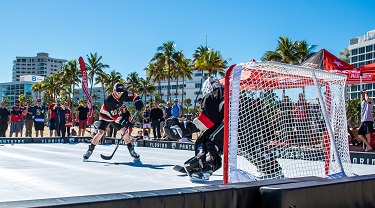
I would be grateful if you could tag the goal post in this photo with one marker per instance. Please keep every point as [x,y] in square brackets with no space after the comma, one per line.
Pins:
[283,121]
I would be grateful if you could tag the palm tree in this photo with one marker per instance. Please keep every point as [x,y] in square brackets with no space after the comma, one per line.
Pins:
[199,64]
[132,82]
[51,87]
[102,78]
[185,71]
[145,87]
[6,101]
[303,50]
[94,67]
[179,58]
[285,52]
[71,79]
[215,63]
[22,99]
[37,88]
[209,61]
[289,52]
[164,60]
[155,75]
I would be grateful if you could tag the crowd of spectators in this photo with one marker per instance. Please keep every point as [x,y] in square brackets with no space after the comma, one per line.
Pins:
[57,117]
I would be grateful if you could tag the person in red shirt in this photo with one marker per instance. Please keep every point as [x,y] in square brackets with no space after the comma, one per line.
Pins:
[68,118]
[16,118]
[51,121]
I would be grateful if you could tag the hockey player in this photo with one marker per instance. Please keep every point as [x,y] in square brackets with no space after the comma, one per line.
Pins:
[110,113]
[208,147]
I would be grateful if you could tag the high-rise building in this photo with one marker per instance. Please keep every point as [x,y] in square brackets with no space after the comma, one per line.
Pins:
[190,88]
[362,52]
[40,65]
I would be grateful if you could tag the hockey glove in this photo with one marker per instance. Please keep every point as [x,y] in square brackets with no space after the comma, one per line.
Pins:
[125,122]
[138,103]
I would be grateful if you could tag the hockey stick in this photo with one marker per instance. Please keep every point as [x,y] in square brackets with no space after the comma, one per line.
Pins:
[104,157]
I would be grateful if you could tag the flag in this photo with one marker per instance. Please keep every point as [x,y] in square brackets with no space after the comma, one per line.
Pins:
[85,88]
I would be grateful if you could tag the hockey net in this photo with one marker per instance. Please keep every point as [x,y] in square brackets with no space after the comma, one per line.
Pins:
[284,121]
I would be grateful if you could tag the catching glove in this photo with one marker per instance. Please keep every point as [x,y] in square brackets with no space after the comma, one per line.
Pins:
[138,103]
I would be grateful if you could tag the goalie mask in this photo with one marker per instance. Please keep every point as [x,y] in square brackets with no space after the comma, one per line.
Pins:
[210,84]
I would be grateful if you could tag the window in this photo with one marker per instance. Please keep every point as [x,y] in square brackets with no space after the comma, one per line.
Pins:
[362,57]
[369,48]
[354,59]
[198,74]
[368,56]
[197,93]
[362,50]
[197,85]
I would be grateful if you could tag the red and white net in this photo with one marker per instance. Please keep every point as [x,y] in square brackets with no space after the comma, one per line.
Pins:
[284,121]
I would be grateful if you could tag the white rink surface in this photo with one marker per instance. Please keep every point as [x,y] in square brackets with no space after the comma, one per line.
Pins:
[40,171]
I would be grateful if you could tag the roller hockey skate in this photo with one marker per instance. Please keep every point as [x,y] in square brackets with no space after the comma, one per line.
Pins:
[135,155]
[88,153]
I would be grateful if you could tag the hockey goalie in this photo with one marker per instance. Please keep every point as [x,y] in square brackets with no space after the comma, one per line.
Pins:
[209,145]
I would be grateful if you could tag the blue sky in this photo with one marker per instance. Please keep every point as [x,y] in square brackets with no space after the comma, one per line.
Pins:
[127,33]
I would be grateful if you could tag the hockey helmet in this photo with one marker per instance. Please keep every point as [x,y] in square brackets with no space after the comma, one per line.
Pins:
[210,84]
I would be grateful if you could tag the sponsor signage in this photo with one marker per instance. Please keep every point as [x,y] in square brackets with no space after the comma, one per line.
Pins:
[15,141]
[169,145]
[363,158]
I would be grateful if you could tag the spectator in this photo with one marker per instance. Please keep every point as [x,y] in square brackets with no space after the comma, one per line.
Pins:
[176,109]
[162,119]
[51,120]
[82,115]
[4,119]
[367,120]
[168,110]
[146,119]
[38,116]
[16,118]
[139,136]
[301,115]
[68,118]
[60,122]
[28,112]
[286,120]
[156,115]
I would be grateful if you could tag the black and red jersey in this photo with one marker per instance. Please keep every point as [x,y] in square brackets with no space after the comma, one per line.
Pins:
[111,108]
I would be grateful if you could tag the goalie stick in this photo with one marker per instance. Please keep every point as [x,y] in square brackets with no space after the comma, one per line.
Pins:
[104,157]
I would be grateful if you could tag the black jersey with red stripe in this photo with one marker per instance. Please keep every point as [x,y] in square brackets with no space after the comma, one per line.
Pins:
[111,108]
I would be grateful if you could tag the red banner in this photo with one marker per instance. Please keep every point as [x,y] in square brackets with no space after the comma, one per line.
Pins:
[85,88]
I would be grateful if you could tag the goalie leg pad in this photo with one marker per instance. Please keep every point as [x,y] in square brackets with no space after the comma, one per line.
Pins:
[194,163]
[213,158]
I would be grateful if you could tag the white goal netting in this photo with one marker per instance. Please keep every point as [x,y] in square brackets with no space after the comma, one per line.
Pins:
[284,121]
